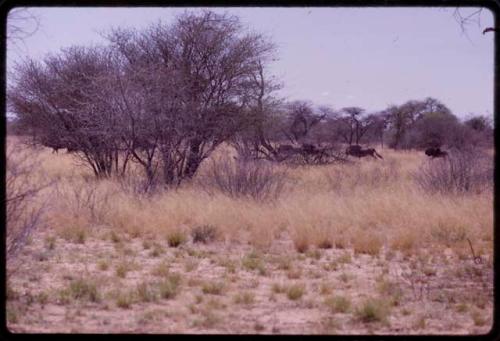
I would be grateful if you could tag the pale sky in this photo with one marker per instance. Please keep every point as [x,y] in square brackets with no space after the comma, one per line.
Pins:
[366,57]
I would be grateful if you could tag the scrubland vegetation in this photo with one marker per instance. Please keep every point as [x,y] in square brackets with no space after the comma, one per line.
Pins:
[158,185]
[316,256]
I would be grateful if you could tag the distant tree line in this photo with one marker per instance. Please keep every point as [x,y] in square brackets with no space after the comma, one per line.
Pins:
[167,96]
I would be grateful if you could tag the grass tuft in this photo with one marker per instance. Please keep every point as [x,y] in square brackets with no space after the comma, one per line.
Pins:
[245,298]
[338,304]
[373,310]
[176,238]
[213,288]
[204,234]
[169,287]
[295,291]
[84,289]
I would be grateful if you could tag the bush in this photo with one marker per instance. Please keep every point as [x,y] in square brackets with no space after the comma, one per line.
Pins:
[213,288]
[256,179]
[124,300]
[169,287]
[373,310]
[139,185]
[88,199]
[253,261]
[244,298]
[176,238]
[204,234]
[367,243]
[84,290]
[146,292]
[351,176]
[338,304]
[295,291]
[24,209]
[463,171]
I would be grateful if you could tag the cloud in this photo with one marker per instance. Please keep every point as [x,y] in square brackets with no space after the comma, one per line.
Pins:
[325,93]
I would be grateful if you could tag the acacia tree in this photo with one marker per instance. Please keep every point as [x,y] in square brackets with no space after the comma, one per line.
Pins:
[351,124]
[167,95]
[141,87]
[377,127]
[434,129]
[61,101]
[401,119]
[204,68]
[264,118]
[301,119]
[480,129]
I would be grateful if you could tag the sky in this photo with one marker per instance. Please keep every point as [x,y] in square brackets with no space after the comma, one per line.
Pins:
[365,57]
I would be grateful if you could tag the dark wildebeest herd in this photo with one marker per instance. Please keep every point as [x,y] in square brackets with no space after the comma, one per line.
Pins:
[305,149]
[435,152]
[58,143]
[358,151]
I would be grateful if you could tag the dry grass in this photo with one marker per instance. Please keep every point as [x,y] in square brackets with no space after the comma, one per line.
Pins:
[338,304]
[295,291]
[364,210]
[213,287]
[245,298]
[370,204]
[337,205]
[373,310]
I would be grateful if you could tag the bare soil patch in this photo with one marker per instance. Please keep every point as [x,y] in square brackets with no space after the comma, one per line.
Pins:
[226,287]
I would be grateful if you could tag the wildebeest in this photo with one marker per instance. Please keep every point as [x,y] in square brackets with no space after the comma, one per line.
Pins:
[56,143]
[71,148]
[287,149]
[435,152]
[52,142]
[358,151]
[316,154]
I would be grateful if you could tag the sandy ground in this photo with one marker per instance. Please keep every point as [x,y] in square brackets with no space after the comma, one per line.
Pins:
[434,292]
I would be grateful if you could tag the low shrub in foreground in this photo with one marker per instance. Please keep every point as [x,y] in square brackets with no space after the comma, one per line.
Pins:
[256,179]
[462,171]
[373,310]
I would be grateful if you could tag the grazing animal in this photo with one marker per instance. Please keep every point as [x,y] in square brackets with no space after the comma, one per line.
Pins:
[315,153]
[71,149]
[53,143]
[311,149]
[435,152]
[358,151]
[285,151]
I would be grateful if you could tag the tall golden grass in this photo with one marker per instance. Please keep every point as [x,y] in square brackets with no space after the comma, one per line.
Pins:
[368,205]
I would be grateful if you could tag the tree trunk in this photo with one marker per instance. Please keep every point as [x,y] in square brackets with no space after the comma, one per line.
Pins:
[194,159]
